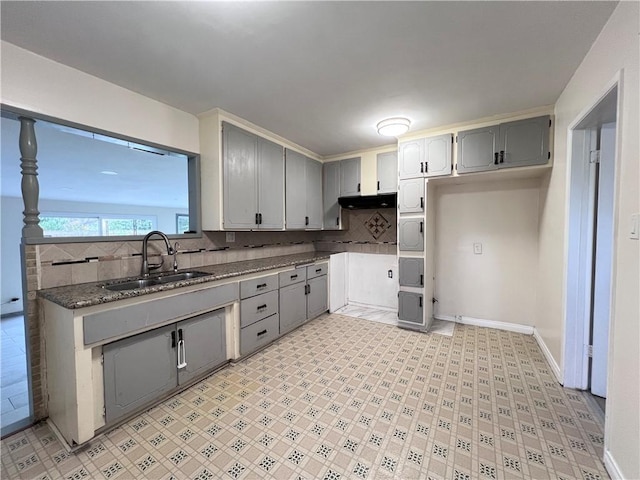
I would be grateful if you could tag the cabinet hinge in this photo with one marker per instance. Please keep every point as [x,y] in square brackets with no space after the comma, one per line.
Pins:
[456,139]
[104,411]
[594,156]
[102,359]
[589,350]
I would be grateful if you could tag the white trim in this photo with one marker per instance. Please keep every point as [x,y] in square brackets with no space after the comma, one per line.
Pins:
[555,368]
[612,466]
[480,322]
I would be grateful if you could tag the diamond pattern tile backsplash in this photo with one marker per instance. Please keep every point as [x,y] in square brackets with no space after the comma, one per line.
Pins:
[376,224]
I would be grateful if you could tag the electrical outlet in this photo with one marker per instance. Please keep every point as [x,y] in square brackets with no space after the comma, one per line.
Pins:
[477,248]
[230,237]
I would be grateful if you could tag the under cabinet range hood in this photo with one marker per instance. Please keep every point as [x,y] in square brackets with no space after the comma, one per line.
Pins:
[385,200]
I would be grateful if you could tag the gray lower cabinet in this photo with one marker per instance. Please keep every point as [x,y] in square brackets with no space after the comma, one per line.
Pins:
[138,370]
[330,194]
[317,296]
[259,334]
[293,306]
[203,346]
[512,144]
[411,234]
[411,196]
[350,177]
[411,272]
[144,367]
[387,172]
[410,307]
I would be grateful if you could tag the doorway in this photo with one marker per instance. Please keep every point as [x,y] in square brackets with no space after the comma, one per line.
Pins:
[591,246]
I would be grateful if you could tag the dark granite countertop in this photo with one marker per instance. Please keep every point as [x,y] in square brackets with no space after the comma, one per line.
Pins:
[88,294]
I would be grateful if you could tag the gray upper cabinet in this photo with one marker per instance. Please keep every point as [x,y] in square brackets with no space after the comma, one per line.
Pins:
[512,144]
[314,194]
[411,234]
[425,157]
[270,185]
[330,194]
[411,196]
[253,181]
[411,272]
[303,191]
[295,184]
[240,188]
[387,168]
[350,177]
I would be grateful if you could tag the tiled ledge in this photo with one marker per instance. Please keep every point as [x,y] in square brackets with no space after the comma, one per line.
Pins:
[385,248]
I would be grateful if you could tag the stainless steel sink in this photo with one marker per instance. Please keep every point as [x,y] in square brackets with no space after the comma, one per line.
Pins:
[151,281]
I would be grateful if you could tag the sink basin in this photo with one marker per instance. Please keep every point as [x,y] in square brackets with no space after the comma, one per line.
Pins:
[151,281]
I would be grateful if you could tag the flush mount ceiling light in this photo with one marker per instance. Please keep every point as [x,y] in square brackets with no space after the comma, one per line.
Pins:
[392,127]
[108,172]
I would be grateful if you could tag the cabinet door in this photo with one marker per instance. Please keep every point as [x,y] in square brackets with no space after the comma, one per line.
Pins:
[314,193]
[204,345]
[239,172]
[437,155]
[411,272]
[293,306]
[295,184]
[477,149]
[138,370]
[350,177]
[387,164]
[270,185]
[410,307]
[411,195]
[411,234]
[411,159]
[330,194]
[317,296]
[524,142]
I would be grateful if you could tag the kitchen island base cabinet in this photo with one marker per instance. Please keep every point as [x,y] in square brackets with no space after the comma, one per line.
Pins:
[144,367]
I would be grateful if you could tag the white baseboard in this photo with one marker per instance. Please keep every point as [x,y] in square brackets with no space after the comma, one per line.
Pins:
[612,466]
[555,368]
[480,322]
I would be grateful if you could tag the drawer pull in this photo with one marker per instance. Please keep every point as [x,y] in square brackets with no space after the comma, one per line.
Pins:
[318,270]
[262,307]
[293,277]
[262,333]
[262,285]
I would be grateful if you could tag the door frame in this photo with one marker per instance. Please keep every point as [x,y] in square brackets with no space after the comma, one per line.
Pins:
[579,242]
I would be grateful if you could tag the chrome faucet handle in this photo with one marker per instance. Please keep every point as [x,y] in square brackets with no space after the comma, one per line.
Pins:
[176,246]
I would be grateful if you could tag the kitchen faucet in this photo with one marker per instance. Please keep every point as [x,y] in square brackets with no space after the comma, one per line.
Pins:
[145,262]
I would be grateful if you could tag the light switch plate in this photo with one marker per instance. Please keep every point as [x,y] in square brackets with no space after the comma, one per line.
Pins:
[477,248]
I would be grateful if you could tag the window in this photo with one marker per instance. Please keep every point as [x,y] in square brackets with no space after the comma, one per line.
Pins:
[182,223]
[70,225]
[95,185]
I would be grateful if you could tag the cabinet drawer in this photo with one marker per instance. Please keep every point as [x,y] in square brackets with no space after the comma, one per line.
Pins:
[258,307]
[314,271]
[259,334]
[293,276]
[256,286]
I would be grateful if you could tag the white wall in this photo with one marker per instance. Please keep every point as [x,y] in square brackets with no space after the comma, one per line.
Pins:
[10,269]
[615,50]
[368,282]
[500,283]
[40,85]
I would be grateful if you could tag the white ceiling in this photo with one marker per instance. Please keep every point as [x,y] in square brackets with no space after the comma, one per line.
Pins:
[321,74]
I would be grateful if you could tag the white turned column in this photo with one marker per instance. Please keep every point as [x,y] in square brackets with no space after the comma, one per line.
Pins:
[30,187]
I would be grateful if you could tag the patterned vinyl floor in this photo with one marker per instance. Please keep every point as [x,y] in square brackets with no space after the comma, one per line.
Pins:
[341,398]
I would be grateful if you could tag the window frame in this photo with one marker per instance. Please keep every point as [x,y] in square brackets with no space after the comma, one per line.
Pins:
[193,173]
